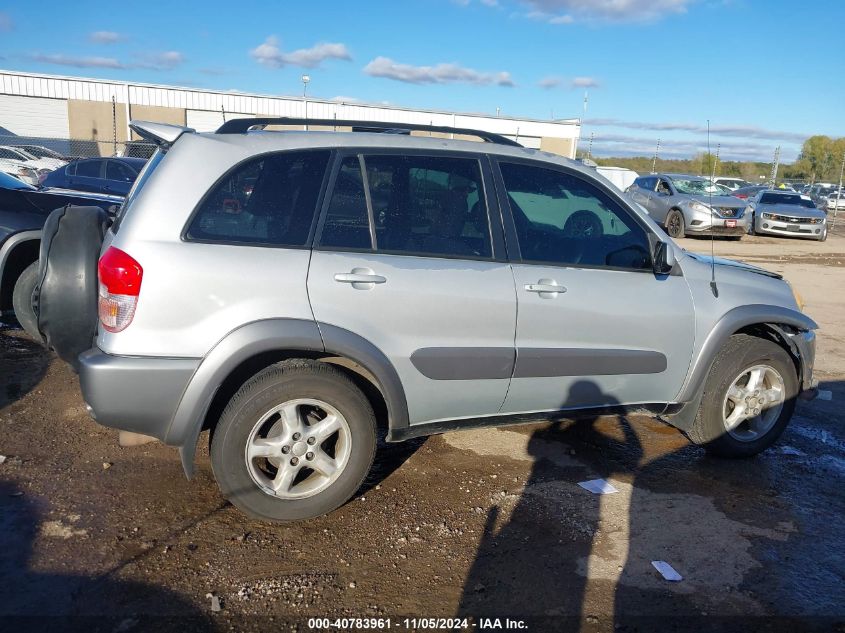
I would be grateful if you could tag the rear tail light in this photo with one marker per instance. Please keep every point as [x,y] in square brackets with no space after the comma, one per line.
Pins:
[120,283]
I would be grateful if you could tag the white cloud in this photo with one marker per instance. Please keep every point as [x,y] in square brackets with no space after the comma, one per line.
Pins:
[269,54]
[439,74]
[568,11]
[168,60]
[6,22]
[742,131]
[552,81]
[154,61]
[584,82]
[105,37]
[78,62]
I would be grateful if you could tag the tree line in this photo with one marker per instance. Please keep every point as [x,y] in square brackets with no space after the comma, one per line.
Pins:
[820,160]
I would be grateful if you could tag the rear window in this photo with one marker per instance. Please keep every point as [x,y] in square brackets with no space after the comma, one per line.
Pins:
[269,200]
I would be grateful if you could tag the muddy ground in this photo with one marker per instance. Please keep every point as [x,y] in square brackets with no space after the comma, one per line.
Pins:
[468,524]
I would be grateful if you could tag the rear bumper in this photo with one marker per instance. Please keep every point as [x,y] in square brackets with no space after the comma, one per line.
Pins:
[132,393]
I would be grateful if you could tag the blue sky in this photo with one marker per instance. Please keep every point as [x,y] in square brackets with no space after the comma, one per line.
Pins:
[764,72]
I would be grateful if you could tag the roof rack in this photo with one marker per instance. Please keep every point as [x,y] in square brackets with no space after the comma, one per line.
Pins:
[239,126]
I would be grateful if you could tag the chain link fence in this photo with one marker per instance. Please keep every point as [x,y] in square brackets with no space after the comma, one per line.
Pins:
[68,149]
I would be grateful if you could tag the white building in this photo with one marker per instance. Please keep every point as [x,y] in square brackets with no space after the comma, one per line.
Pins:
[51,106]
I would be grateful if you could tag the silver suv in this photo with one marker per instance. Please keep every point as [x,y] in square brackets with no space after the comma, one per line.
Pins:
[690,205]
[298,292]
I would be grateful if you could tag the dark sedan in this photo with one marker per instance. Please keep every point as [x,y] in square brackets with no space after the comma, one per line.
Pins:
[113,176]
[23,211]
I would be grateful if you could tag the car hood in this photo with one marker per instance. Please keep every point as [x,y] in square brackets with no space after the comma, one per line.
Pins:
[791,210]
[719,201]
[732,263]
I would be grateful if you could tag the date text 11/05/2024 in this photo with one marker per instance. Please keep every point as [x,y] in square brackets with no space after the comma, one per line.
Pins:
[416,624]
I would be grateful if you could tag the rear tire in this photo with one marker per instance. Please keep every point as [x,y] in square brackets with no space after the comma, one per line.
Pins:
[270,451]
[22,301]
[675,224]
[729,392]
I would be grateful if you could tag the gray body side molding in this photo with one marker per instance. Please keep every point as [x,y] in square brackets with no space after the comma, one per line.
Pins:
[267,336]
[732,321]
[11,242]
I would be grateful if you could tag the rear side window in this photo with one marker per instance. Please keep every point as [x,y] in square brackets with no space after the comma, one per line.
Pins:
[88,168]
[268,200]
[418,205]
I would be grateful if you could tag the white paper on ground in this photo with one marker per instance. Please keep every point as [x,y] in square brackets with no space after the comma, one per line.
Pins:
[666,570]
[825,395]
[598,487]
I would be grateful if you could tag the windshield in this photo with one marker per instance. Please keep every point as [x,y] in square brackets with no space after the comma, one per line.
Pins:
[10,182]
[785,198]
[39,152]
[698,187]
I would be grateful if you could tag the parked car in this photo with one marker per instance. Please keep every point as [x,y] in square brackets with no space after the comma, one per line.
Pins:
[744,193]
[835,201]
[45,164]
[23,211]
[786,213]
[293,291]
[11,163]
[689,204]
[99,175]
[731,183]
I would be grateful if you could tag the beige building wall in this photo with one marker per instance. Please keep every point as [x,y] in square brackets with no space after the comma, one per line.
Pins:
[97,121]
[562,146]
[159,114]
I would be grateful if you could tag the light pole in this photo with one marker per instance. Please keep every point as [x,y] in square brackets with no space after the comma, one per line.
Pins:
[305,80]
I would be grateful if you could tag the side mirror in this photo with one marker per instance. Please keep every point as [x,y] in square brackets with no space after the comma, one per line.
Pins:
[663,258]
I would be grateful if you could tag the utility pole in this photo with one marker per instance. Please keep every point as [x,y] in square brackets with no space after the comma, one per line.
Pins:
[586,98]
[590,146]
[838,192]
[223,113]
[715,161]
[775,165]
[654,160]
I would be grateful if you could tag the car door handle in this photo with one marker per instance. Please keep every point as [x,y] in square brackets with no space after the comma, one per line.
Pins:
[360,278]
[546,287]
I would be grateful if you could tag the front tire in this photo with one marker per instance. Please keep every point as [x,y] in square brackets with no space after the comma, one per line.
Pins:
[748,400]
[675,225]
[22,301]
[295,442]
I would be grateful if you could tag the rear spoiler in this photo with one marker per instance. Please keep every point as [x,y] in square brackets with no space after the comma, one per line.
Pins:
[162,134]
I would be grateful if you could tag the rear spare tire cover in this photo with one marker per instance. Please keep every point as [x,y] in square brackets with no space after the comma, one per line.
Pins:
[65,299]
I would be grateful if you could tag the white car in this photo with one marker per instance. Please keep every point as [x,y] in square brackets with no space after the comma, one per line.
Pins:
[24,156]
[731,183]
[44,153]
[835,201]
[21,171]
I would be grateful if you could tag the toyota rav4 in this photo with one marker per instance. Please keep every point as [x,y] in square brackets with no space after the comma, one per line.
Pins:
[298,292]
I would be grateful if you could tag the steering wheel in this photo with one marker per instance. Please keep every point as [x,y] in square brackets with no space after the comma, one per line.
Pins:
[583,224]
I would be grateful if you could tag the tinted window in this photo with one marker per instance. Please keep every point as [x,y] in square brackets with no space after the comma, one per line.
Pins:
[7,153]
[785,198]
[88,168]
[428,205]
[346,224]
[268,200]
[563,219]
[420,205]
[115,170]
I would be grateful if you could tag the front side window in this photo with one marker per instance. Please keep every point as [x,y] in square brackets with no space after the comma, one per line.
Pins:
[115,170]
[562,219]
[268,200]
[420,205]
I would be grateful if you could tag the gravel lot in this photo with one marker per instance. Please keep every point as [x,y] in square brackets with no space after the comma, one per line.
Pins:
[469,524]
